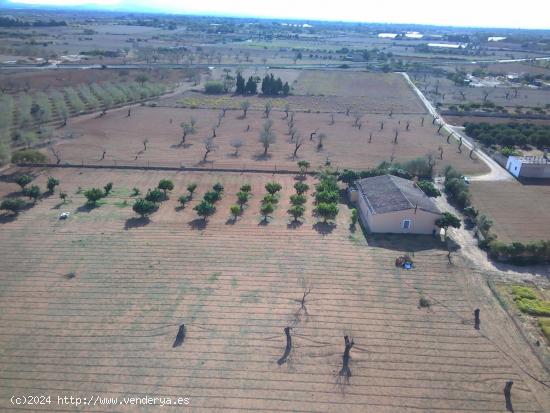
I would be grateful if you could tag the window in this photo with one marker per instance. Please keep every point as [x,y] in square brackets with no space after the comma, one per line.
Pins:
[407,224]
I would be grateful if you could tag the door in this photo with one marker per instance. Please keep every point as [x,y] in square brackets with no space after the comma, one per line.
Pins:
[406,225]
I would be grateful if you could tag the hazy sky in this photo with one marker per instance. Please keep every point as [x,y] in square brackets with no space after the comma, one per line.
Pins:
[483,13]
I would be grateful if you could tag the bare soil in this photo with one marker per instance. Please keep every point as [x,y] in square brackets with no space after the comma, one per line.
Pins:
[109,329]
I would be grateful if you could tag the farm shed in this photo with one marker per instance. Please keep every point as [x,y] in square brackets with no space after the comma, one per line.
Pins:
[389,204]
[529,166]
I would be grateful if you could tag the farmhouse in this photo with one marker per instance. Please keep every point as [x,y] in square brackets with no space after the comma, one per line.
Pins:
[389,204]
[529,166]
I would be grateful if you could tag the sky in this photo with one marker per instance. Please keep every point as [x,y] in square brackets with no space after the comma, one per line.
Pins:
[532,14]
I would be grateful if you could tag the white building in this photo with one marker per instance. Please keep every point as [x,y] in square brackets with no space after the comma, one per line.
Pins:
[529,166]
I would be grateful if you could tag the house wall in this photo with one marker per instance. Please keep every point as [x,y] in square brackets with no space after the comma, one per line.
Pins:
[422,222]
[514,166]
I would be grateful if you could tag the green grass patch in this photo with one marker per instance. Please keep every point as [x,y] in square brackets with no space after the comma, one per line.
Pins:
[214,276]
[122,204]
[528,301]
[544,324]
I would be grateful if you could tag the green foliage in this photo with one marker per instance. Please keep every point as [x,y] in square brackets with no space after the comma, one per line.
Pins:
[5,152]
[266,209]
[212,197]
[191,188]
[13,205]
[214,86]
[348,176]
[272,86]
[63,196]
[218,188]
[429,188]
[510,134]
[528,301]
[165,185]
[205,209]
[354,216]
[28,156]
[246,188]
[52,183]
[143,207]
[270,199]
[155,195]
[23,180]
[470,212]
[327,197]
[518,253]
[456,188]
[448,220]
[235,211]
[93,195]
[108,188]
[544,324]
[242,198]
[33,192]
[184,199]
[273,187]
[135,191]
[506,151]
[296,211]
[303,165]
[298,199]
[326,210]
[301,187]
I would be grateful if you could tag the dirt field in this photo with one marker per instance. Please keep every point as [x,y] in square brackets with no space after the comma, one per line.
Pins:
[108,330]
[520,212]
[346,146]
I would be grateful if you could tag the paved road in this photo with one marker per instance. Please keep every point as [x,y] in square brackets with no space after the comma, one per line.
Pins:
[497,173]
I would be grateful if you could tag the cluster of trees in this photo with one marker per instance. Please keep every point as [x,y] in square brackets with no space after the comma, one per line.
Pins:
[327,195]
[536,252]
[150,203]
[243,196]
[207,206]
[298,201]
[456,188]
[245,88]
[13,22]
[15,205]
[271,199]
[510,134]
[93,195]
[272,86]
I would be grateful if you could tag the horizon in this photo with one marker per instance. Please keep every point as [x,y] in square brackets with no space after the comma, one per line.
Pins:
[422,12]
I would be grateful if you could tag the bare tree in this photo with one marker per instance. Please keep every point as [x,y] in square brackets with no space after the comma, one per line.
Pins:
[460,145]
[145,142]
[237,144]
[434,120]
[462,95]
[440,127]
[357,118]
[267,108]
[209,146]
[55,153]
[472,150]
[370,137]
[298,142]
[287,109]
[186,129]
[449,137]
[267,136]
[288,347]
[391,113]
[312,134]
[440,148]
[485,95]
[345,371]
[422,122]
[245,105]
[381,125]
[408,125]
[331,119]
[214,131]
[348,108]
[396,132]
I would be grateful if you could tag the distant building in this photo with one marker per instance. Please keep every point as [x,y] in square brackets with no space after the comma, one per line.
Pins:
[529,166]
[389,204]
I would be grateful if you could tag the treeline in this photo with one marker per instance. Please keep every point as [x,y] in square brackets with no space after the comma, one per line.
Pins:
[509,134]
[249,87]
[11,22]
[273,87]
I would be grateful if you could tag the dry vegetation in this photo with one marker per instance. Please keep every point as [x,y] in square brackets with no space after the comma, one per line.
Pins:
[93,305]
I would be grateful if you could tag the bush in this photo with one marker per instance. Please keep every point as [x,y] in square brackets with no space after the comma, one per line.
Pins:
[184,199]
[12,204]
[93,195]
[354,216]
[327,210]
[301,187]
[423,302]
[429,188]
[214,86]
[108,188]
[298,199]
[328,197]
[212,197]
[165,185]
[28,156]
[23,180]
[52,183]
[144,207]
[296,211]
[205,209]
[266,209]
[544,324]
[270,199]
[192,187]
[218,188]
[273,187]
[246,188]
[155,195]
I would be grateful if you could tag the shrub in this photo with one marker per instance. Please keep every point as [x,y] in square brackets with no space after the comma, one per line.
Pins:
[12,204]
[429,188]
[205,209]
[266,209]
[23,180]
[214,86]
[326,210]
[298,199]
[242,198]
[165,185]
[235,211]
[301,187]
[33,192]
[218,188]
[328,197]
[212,197]
[544,324]
[144,207]
[296,211]
[184,199]
[52,183]
[270,199]
[154,195]
[107,188]
[93,195]
[273,187]
[28,156]
[354,216]
[246,188]
[191,188]
[423,302]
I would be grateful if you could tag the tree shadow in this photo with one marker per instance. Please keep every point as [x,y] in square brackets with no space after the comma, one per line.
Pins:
[87,208]
[324,228]
[136,222]
[262,157]
[198,224]
[5,218]
[294,224]
[264,222]
[231,221]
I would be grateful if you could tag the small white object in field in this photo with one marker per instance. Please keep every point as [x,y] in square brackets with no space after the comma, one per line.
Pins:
[466,180]
[64,215]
